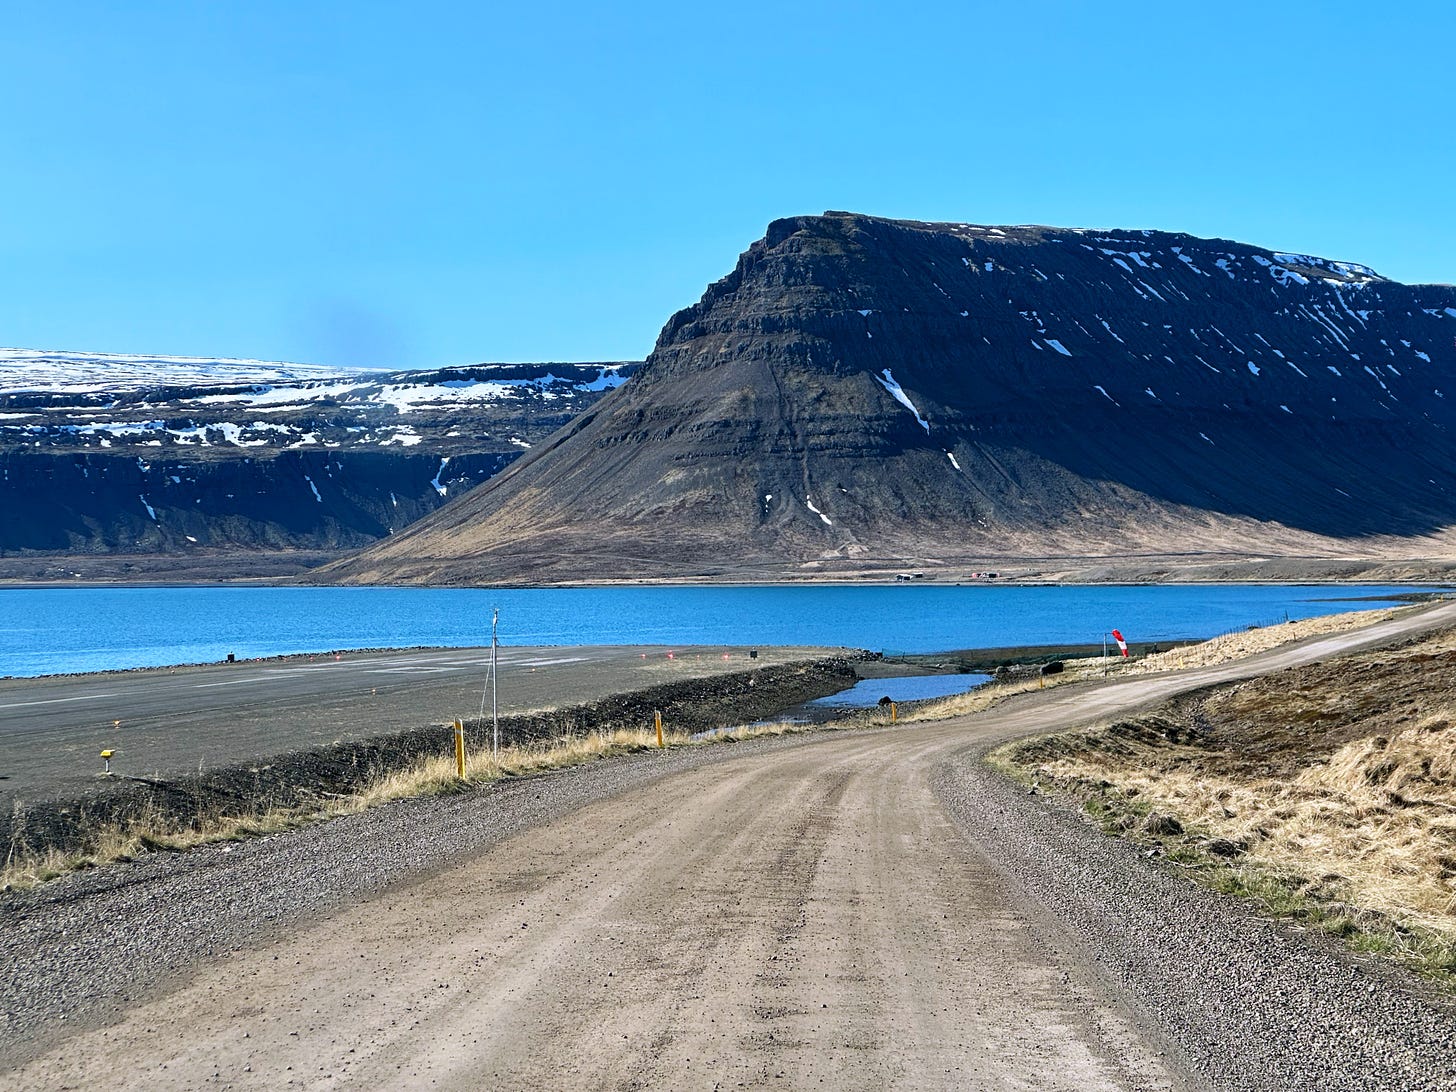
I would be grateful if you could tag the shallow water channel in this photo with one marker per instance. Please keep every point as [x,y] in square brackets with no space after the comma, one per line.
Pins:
[868,692]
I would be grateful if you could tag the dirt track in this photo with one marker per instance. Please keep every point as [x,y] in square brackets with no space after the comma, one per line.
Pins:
[868,911]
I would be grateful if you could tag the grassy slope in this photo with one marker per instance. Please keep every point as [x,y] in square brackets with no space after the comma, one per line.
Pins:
[1327,793]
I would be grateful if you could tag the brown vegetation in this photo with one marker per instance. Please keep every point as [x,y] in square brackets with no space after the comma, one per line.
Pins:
[1327,792]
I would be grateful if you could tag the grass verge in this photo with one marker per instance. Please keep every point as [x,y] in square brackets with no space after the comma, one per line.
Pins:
[983,697]
[1333,862]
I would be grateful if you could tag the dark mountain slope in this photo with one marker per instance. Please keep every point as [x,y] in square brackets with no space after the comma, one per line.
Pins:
[184,457]
[892,392]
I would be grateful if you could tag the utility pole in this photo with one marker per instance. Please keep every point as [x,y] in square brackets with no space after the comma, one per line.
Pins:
[494,687]
[491,686]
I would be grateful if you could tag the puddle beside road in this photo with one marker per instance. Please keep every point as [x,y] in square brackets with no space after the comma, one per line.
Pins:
[868,692]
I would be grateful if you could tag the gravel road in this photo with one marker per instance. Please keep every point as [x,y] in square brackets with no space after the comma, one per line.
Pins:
[851,910]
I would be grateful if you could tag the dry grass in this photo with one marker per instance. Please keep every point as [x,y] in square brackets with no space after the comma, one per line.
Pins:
[977,700]
[984,697]
[1356,835]
[775,728]
[1375,826]
[1250,642]
[118,842]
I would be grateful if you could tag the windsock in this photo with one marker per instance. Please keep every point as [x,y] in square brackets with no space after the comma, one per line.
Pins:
[1121,644]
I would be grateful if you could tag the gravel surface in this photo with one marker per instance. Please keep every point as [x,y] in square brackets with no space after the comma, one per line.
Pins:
[1250,1004]
[76,951]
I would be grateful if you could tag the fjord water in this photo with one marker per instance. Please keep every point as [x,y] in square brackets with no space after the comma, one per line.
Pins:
[55,630]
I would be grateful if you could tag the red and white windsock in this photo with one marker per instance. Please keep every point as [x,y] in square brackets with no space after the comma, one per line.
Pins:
[1121,644]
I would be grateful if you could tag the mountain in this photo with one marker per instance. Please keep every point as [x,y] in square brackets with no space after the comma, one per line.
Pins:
[863,394]
[177,456]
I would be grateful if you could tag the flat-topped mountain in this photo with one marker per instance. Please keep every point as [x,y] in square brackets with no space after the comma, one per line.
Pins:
[105,455]
[861,393]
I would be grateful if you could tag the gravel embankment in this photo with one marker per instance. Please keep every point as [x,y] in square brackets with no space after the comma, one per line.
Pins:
[1250,1004]
[75,951]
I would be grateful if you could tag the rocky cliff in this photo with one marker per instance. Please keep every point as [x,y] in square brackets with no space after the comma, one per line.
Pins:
[861,393]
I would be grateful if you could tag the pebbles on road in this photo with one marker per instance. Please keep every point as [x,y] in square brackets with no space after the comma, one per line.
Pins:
[1248,1003]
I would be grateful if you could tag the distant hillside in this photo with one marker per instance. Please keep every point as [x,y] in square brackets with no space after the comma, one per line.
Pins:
[179,456]
[860,394]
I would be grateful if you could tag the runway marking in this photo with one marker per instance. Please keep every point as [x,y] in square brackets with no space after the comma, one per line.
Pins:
[53,701]
[412,670]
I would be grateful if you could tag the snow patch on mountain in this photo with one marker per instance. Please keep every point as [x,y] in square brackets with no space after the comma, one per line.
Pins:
[440,487]
[899,395]
[809,504]
[91,399]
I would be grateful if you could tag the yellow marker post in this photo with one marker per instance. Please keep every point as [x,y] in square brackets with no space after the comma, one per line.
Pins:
[657,715]
[106,758]
[894,713]
[460,749]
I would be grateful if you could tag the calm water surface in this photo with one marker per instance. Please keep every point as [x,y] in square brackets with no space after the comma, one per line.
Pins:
[50,630]
[868,692]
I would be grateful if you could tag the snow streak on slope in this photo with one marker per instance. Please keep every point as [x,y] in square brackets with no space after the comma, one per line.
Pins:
[888,382]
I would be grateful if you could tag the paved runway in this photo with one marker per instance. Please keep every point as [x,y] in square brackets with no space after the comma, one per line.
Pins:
[170,721]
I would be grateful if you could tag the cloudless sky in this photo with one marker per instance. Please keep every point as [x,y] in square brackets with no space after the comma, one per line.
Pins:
[427,183]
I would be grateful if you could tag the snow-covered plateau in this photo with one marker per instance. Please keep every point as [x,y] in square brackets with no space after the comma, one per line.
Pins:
[91,400]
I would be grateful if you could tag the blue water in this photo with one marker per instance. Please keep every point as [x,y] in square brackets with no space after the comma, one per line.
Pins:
[49,630]
[868,692]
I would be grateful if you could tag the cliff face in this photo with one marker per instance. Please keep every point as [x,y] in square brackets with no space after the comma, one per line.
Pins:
[894,391]
[174,456]
[313,500]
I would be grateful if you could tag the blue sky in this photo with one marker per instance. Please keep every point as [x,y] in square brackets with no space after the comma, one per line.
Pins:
[411,185]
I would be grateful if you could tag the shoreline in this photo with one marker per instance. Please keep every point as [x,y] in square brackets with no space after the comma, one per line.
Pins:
[970,658]
[1000,582]
[300,569]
